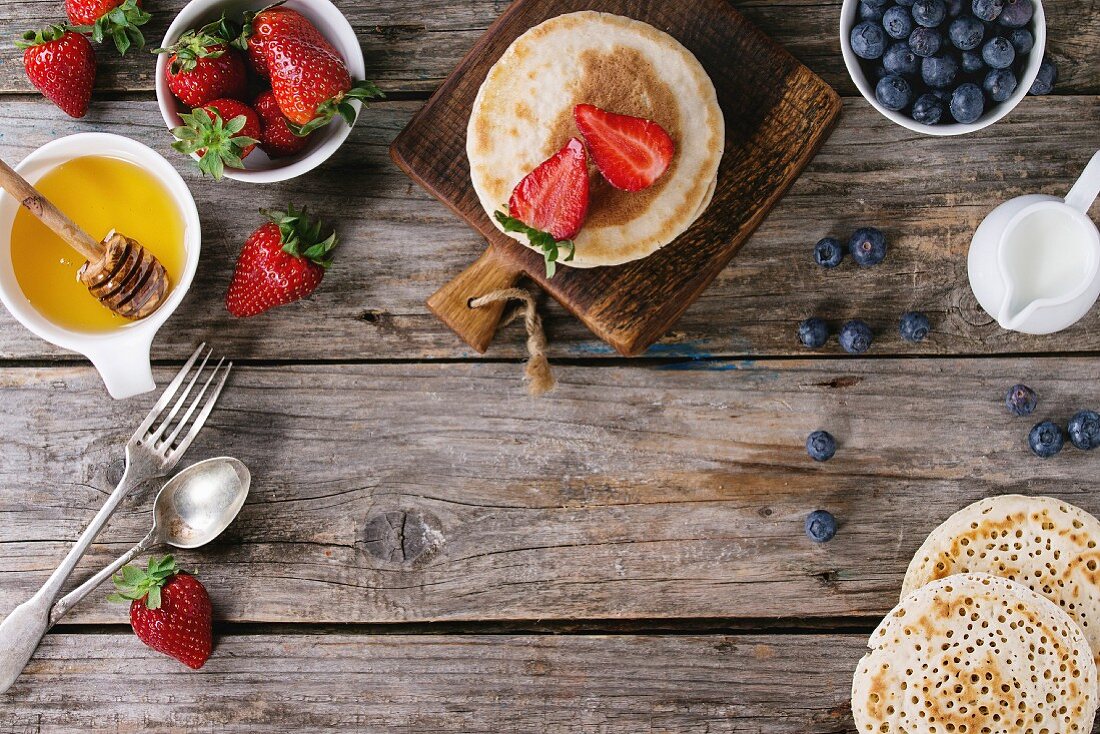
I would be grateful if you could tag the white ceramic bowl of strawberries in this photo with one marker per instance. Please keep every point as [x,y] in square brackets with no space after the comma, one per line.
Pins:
[321,143]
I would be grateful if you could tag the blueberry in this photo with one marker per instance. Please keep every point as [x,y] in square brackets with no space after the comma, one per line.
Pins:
[893,92]
[987,9]
[867,246]
[999,84]
[898,22]
[1044,82]
[880,4]
[1046,439]
[967,103]
[928,109]
[998,53]
[820,526]
[1021,400]
[966,33]
[1084,430]
[878,71]
[856,337]
[914,326]
[869,12]
[820,445]
[954,8]
[1021,40]
[929,13]
[828,253]
[813,333]
[868,40]
[906,3]
[939,71]
[899,59]
[925,41]
[1016,13]
[971,62]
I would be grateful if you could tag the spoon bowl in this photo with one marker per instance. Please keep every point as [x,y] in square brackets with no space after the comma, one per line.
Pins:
[200,502]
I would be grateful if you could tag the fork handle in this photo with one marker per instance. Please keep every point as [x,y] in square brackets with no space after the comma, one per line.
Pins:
[67,602]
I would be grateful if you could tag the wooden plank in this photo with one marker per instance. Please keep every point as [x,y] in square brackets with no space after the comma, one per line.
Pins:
[413,46]
[343,682]
[408,493]
[399,245]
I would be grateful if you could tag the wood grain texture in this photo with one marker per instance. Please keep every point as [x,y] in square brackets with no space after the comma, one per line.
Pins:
[470,684]
[412,47]
[777,114]
[399,245]
[411,493]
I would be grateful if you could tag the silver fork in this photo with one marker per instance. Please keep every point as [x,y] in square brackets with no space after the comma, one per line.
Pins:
[152,452]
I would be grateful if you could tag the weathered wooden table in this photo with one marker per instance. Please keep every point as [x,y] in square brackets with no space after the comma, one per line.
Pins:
[426,548]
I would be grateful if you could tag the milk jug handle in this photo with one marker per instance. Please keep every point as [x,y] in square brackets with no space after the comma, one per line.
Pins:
[1087,188]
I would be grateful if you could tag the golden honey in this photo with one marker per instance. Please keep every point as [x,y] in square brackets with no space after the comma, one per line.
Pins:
[99,194]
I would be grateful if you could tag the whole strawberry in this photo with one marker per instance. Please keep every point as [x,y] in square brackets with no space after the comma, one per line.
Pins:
[170,611]
[119,20]
[277,139]
[222,133]
[281,262]
[202,66]
[61,65]
[309,78]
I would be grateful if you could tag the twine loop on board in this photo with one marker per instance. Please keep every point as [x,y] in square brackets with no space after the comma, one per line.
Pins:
[539,378]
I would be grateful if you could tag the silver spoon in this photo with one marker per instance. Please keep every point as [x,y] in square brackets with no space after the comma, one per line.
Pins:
[192,509]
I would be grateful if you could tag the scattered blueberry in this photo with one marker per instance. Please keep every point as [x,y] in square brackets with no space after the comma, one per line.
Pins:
[928,109]
[899,59]
[893,92]
[867,246]
[1021,400]
[869,12]
[1084,430]
[999,84]
[929,13]
[914,326]
[1046,439]
[939,71]
[820,445]
[967,103]
[856,337]
[813,333]
[1044,82]
[925,41]
[998,53]
[987,9]
[971,62]
[966,33]
[868,40]
[1016,13]
[828,253]
[898,22]
[820,526]
[1021,40]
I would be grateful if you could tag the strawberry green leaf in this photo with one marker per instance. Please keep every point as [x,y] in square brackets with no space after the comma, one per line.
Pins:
[45,35]
[134,583]
[338,105]
[215,141]
[301,235]
[208,42]
[551,248]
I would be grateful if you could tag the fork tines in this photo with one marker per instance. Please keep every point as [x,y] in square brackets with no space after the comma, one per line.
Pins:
[171,434]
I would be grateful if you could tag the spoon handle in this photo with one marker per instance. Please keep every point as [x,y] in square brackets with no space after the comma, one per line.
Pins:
[67,602]
[1087,188]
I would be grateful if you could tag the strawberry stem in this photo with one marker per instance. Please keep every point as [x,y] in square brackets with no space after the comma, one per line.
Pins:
[208,42]
[551,248]
[220,145]
[339,105]
[133,583]
[46,35]
[121,25]
[302,235]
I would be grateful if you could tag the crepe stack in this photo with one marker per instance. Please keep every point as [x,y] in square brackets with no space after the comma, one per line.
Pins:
[523,114]
[996,631]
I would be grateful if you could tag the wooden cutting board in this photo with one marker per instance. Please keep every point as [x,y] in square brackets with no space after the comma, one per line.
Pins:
[777,113]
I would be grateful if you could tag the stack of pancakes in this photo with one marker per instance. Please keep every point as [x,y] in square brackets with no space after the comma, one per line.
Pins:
[523,114]
[998,628]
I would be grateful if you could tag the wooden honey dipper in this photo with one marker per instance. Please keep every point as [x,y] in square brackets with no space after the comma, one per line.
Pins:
[119,272]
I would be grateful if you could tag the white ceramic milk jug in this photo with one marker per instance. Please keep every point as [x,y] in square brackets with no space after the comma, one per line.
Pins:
[1034,262]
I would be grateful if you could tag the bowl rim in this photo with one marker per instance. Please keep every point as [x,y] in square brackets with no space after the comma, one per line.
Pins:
[347,42]
[848,19]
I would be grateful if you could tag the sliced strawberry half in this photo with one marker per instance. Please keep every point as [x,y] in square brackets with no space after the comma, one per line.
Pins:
[551,203]
[631,152]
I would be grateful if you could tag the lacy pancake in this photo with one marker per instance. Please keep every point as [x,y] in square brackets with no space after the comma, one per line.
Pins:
[1048,545]
[978,654]
[523,114]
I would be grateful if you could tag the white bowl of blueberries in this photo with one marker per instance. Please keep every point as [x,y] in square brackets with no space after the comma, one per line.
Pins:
[946,67]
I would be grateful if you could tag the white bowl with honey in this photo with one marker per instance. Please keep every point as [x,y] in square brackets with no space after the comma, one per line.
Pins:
[102,182]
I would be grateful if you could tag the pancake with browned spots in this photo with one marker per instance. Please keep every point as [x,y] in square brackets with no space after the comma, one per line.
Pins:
[523,114]
[975,654]
[1046,544]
